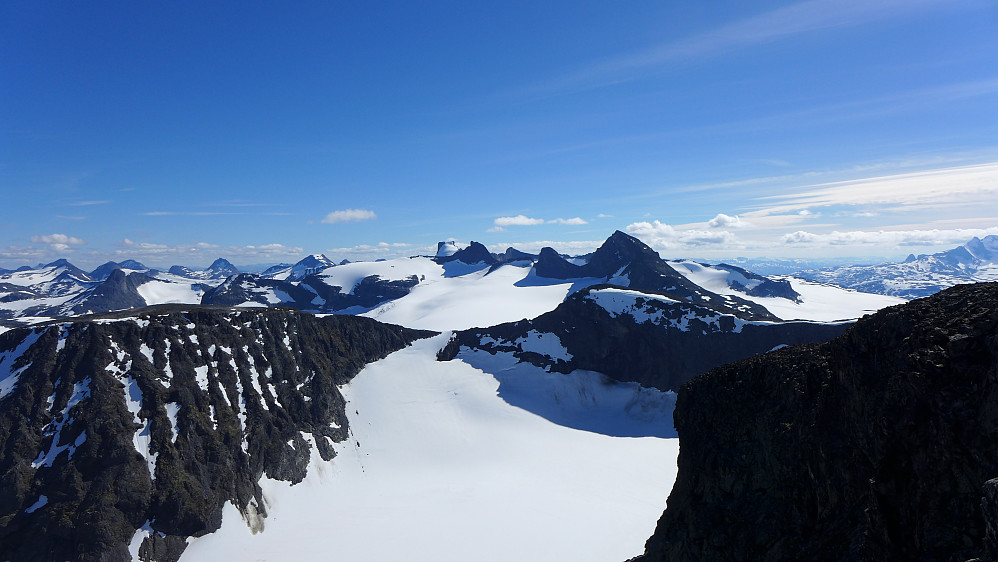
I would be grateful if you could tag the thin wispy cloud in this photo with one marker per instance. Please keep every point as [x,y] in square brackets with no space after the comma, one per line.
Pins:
[797,19]
[241,203]
[381,250]
[962,186]
[900,238]
[202,253]
[349,215]
[574,221]
[188,213]
[518,220]
[87,203]
[523,220]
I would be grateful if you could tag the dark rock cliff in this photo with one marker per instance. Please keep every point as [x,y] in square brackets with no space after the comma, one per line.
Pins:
[158,418]
[117,292]
[878,445]
[474,253]
[678,341]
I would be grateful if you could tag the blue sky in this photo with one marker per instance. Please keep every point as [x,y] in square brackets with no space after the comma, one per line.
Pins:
[179,132]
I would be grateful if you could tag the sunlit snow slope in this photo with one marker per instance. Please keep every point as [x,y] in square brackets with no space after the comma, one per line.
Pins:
[440,468]
[457,296]
[818,302]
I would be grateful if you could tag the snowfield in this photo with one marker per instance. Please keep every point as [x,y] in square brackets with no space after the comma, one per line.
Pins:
[439,467]
[169,289]
[819,302]
[457,296]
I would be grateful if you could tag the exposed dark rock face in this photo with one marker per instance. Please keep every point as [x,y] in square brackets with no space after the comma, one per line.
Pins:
[103,271]
[512,254]
[509,256]
[69,269]
[309,265]
[246,287]
[657,343]
[117,292]
[12,293]
[551,265]
[878,445]
[764,287]
[474,253]
[626,261]
[159,418]
[276,269]
[370,292]
[220,269]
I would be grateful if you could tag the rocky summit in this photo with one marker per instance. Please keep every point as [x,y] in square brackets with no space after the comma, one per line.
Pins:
[153,418]
[878,445]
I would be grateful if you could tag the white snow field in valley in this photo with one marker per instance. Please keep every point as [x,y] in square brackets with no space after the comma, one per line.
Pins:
[439,467]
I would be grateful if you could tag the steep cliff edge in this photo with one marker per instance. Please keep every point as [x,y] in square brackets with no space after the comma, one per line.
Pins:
[877,445]
[137,427]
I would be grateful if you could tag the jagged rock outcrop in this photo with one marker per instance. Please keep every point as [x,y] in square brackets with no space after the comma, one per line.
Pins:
[154,420]
[878,445]
[635,337]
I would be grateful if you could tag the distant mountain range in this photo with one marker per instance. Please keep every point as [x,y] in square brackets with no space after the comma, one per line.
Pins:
[143,405]
[917,276]
[317,284]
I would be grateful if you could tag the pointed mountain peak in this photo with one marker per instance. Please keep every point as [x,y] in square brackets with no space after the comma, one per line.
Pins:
[221,263]
[309,265]
[314,260]
[552,265]
[618,251]
[221,268]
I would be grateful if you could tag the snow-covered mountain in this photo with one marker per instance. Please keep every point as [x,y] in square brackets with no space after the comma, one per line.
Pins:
[219,269]
[547,396]
[103,271]
[308,265]
[441,293]
[918,276]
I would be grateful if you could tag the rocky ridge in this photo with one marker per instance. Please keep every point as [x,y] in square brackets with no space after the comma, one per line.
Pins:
[137,429]
[877,445]
[630,336]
